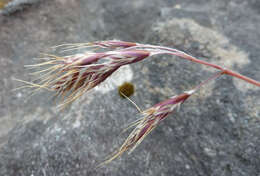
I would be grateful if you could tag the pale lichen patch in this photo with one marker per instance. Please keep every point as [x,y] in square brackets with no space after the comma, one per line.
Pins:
[213,45]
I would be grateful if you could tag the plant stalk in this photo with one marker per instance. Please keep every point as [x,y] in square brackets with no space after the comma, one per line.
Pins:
[183,55]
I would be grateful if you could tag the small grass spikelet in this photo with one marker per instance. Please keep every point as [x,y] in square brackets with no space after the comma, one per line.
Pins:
[71,76]
[150,119]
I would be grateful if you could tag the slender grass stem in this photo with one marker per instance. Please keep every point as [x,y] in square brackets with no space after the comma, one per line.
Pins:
[176,52]
[225,70]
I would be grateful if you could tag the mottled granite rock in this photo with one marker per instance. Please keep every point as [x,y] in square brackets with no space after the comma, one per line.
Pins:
[216,131]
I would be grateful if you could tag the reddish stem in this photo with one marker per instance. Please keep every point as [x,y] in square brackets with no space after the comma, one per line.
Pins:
[249,80]
[225,71]
[171,51]
[209,79]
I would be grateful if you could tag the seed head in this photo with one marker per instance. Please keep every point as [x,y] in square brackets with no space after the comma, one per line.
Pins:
[149,120]
[71,76]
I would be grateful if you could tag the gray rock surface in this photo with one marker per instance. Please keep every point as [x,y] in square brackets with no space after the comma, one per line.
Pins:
[216,131]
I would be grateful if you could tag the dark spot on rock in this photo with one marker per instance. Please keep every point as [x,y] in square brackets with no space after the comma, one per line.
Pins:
[126,89]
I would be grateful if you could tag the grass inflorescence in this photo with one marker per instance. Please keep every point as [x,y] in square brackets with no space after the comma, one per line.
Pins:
[71,76]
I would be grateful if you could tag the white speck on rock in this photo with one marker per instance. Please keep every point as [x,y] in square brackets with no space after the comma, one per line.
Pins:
[76,124]
[177,6]
[187,166]
[210,152]
[231,117]
[19,95]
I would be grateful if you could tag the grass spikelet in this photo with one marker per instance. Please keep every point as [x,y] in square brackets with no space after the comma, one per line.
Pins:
[151,117]
[147,123]
[71,76]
